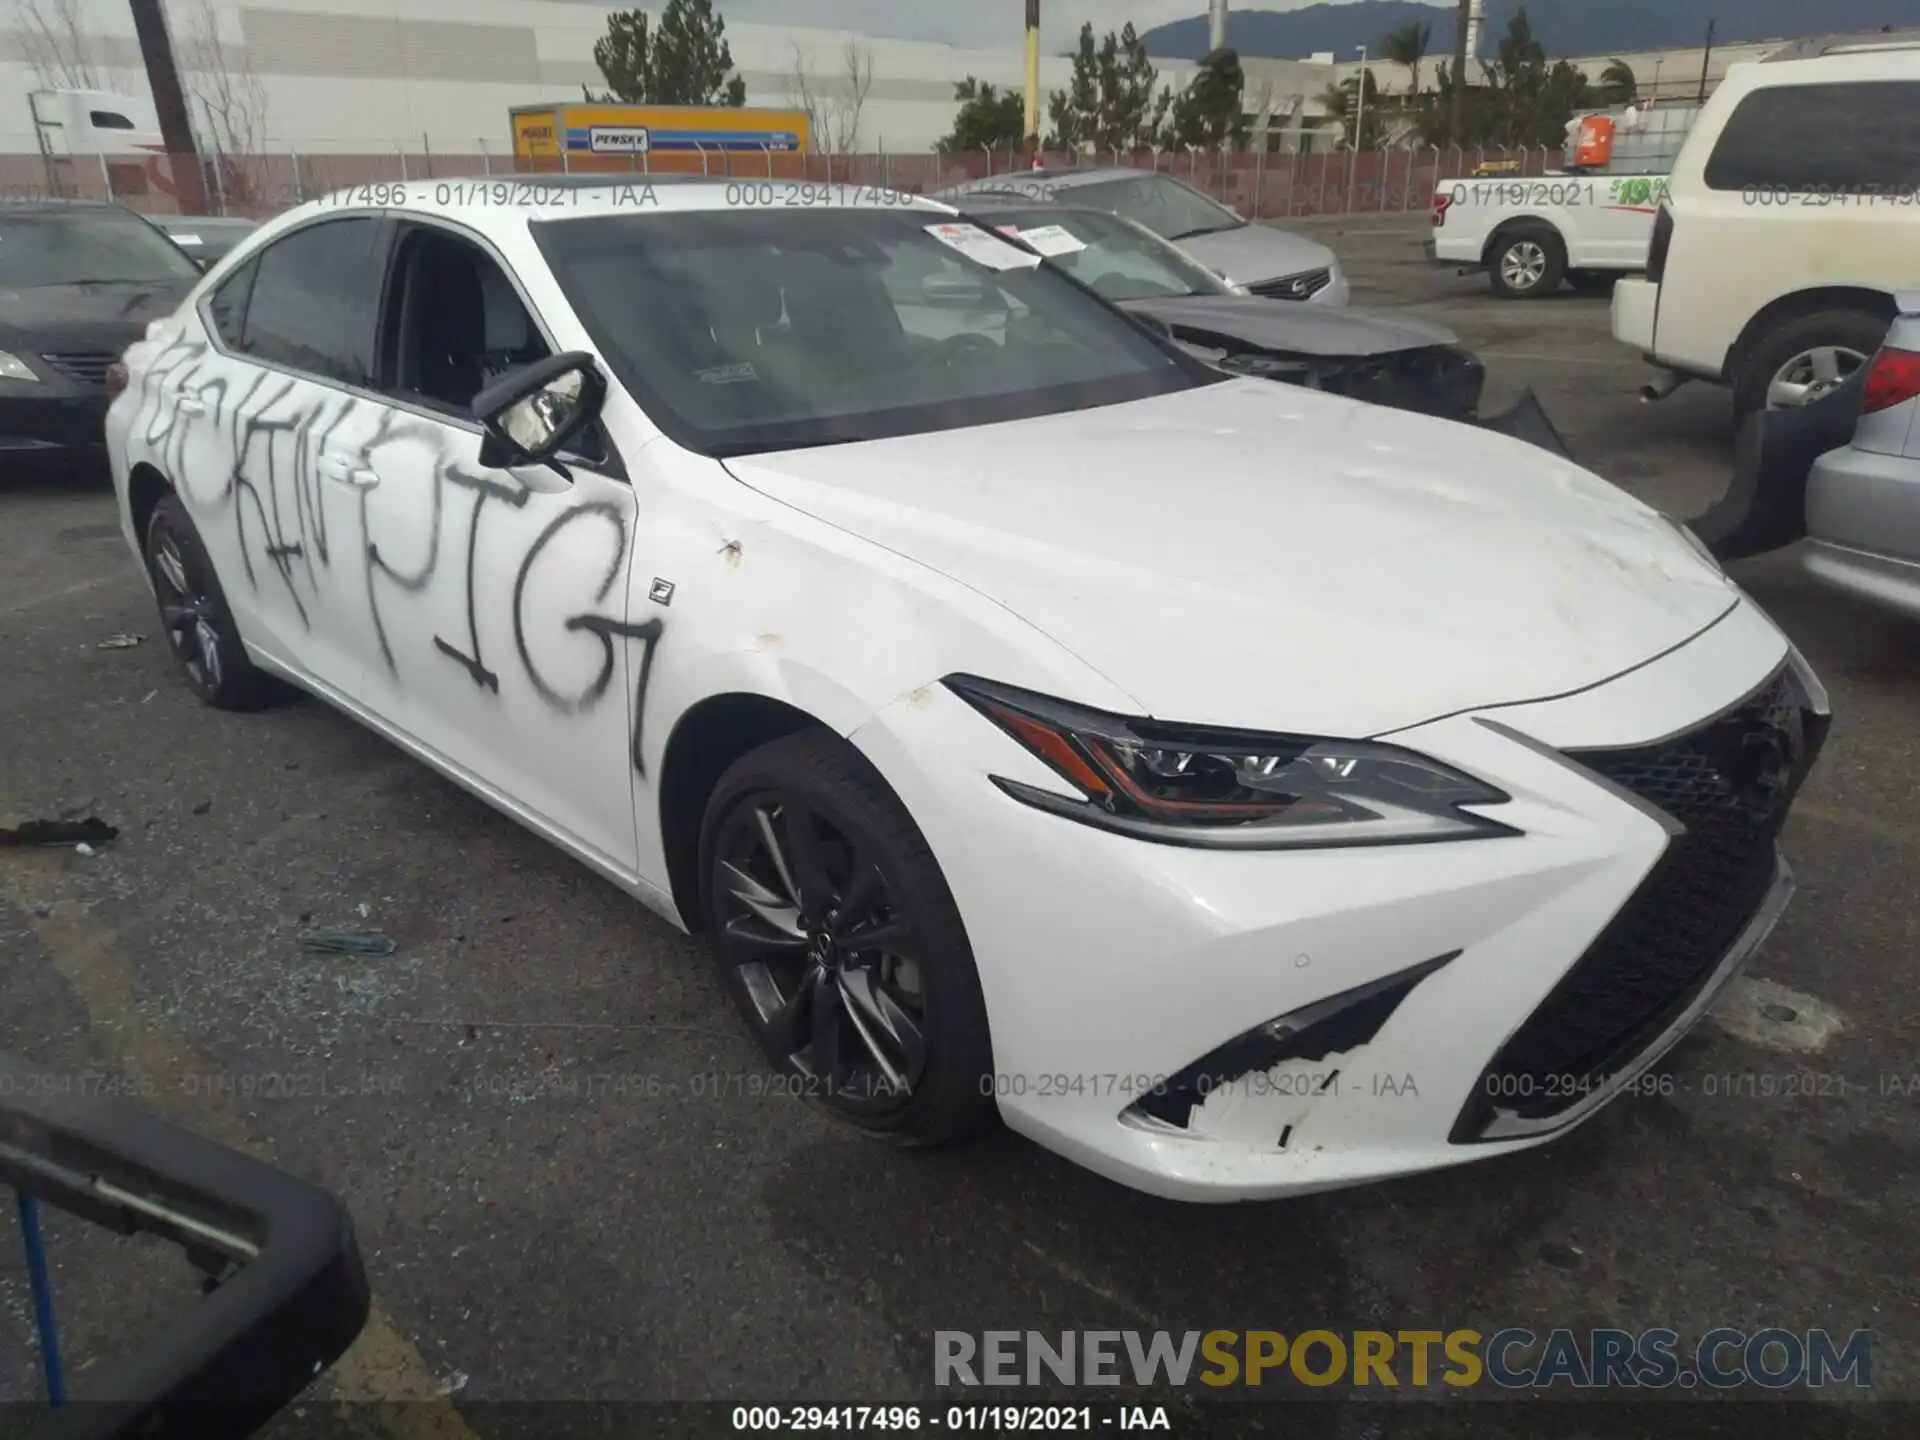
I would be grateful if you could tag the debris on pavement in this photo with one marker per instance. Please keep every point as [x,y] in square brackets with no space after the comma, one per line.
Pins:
[90,831]
[348,942]
[83,849]
[454,1383]
[120,641]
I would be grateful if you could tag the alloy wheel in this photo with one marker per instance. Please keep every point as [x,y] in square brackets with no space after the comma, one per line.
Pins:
[189,614]
[1523,264]
[1812,375]
[825,953]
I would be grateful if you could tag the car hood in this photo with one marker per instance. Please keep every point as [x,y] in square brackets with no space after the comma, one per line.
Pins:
[1289,326]
[1250,254]
[1256,555]
[86,317]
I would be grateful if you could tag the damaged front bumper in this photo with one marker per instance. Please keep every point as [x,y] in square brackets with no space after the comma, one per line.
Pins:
[1219,1026]
[1443,381]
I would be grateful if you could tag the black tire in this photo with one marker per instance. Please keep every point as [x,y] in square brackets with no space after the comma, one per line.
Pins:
[194,615]
[1762,359]
[1535,250]
[835,1018]
[1593,282]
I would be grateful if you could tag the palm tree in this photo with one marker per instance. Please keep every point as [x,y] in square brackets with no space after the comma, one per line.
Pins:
[1618,84]
[1407,45]
[1342,101]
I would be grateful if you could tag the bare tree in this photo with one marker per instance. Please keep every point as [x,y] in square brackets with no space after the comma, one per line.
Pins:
[230,102]
[834,108]
[56,47]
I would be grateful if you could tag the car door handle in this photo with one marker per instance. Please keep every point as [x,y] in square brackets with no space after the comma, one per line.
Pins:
[348,472]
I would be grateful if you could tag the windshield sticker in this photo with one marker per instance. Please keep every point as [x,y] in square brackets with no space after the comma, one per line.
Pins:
[727,374]
[186,239]
[1053,240]
[983,247]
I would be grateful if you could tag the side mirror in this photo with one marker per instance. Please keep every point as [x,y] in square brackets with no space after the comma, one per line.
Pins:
[530,415]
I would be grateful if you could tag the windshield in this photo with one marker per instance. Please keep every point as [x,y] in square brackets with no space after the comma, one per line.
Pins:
[1165,206]
[744,331]
[1113,257]
[77,246]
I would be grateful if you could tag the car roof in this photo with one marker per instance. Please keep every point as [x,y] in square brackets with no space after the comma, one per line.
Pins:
[987,200]
[204,222]
[496,203]
[52,205]
[1013,181]
[1816,46]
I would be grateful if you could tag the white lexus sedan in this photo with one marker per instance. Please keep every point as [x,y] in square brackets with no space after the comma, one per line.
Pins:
[1240,789]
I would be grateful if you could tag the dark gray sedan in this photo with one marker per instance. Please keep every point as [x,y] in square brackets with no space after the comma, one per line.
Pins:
[1384,359]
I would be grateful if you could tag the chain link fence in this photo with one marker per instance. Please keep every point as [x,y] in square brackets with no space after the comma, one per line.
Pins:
[1258,185]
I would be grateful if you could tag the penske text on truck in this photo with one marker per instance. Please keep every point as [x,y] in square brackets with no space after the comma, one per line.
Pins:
[593,136]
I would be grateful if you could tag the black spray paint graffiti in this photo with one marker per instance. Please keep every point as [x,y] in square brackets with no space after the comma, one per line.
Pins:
[257,428]
[602,627]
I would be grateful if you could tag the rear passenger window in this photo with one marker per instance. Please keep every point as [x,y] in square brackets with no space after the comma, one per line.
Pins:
[227,310]
[1815,138]
[313,302]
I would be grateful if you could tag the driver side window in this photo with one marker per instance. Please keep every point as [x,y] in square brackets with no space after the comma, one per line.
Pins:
[459,323]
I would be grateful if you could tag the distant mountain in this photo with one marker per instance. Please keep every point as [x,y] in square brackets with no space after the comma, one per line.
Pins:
[1564,27]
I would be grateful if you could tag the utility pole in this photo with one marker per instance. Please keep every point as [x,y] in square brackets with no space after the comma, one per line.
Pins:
[1216,26]
[170,105]
[1457,109]
[1706,60]
[1033,81]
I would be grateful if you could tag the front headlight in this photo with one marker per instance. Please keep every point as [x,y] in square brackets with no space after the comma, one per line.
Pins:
[1231,789]
[14,368]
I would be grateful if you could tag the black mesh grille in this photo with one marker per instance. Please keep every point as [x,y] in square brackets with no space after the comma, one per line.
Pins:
[1294,287]
[89,367]
[1730,784]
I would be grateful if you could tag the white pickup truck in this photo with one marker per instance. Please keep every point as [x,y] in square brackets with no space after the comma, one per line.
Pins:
[1531,234]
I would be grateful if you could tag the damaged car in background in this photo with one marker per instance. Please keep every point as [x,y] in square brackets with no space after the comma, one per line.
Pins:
[1397,361]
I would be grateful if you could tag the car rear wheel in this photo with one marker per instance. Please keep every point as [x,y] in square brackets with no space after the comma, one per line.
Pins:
[839,941]
[194,613]
[1527,262]
[1806,359]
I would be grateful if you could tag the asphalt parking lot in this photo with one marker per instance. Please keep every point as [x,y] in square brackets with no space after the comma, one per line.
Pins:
[554,1137]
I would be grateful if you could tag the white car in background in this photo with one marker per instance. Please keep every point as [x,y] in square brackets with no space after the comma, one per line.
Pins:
[1242,789]
[1534,234]
[1792,218]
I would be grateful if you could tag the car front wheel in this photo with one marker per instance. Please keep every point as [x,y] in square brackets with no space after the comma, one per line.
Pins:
[841,944]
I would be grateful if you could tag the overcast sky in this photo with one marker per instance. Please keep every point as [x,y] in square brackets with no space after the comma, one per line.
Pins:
[975,22]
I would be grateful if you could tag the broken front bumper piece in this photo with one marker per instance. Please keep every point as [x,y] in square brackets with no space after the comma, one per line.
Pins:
[1527,421]
[1269,1055]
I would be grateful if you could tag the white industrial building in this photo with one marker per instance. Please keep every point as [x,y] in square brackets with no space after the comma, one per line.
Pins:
[368,76]
[407,77]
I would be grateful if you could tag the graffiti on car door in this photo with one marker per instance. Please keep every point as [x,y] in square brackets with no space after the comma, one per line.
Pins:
[267,437]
